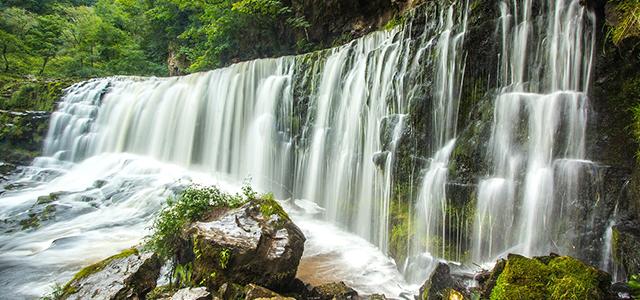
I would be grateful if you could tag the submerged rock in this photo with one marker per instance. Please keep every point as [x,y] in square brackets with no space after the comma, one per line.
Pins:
[256,243]
[128,275]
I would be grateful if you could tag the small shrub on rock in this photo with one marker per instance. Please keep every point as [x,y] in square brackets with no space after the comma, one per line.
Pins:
[192,205]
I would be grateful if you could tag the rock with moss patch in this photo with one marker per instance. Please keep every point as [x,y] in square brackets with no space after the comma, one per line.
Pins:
[550,277]
[252,292]
[334,290]
[256,243]
[128,275]
[441,285]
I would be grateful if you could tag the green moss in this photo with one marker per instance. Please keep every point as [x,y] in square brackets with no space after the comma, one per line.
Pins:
[99,266]
[270,207]
[70,288]
[522,278]
[209,264]
[48,199]
[162,292]
[628,23]
[39,96]
[396,21]
[563,278]
[31,222]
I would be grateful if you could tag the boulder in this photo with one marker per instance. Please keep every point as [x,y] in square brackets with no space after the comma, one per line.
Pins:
[550,277]
[334,290]
[128,275]
[199,293]
[488,280]
[253,291]
[256,243]
[439,284]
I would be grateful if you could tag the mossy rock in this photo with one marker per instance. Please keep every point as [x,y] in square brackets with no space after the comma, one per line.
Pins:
[562,277]
[128,275]
[256,243]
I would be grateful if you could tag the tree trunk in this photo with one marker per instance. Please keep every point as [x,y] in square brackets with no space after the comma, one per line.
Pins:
[6,61]
[46,59]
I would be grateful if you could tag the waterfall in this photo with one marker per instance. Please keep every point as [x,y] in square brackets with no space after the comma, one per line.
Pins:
[361,135]
[538,136]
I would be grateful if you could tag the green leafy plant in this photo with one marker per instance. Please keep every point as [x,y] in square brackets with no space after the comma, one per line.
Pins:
[634,284]
[182,274]
[224,258]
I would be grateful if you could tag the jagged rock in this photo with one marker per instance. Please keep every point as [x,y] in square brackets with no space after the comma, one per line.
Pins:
[128,275]
[256,243]
[199,293]
[334,290]
[440,282]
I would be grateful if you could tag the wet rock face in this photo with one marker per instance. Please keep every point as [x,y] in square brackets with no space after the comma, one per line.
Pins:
[441,285]
[199,293]
[626,242]
[21,135]
[256,243]
[129,275]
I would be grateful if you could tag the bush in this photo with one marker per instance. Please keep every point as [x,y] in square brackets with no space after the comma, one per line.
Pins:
[192,205]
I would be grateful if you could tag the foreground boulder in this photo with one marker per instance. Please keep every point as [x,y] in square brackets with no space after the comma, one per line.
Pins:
[441,285]
[256,243]
[550,277]
[128,275]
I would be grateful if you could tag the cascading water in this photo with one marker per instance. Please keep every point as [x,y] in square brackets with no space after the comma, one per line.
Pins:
[347,133]
[538,136]
[430,221]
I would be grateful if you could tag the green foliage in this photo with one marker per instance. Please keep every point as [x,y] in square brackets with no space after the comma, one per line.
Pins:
[634,284]
[55,294]
[396,21]
[562,278]
[192,204]
[224,258]
[628,22]
[229,30]
[93,38]
[182,274]
[38,96]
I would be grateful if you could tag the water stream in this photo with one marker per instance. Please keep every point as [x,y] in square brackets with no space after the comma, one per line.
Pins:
[327,133]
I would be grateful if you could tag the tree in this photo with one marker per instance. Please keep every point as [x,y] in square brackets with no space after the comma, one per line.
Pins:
[14,25]
[46,38]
